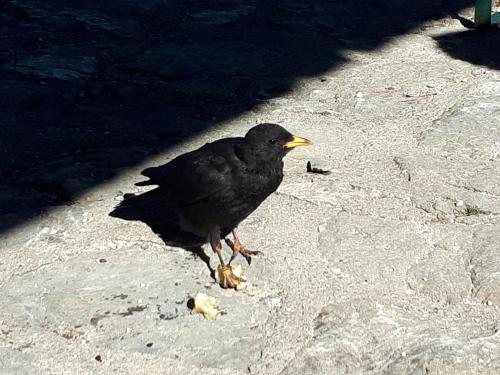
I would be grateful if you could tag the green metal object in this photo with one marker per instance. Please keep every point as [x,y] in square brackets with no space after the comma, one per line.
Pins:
[482,14]
[483,18]
[495,18]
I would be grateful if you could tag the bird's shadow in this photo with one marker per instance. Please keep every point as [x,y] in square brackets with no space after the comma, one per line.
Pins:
[152,209]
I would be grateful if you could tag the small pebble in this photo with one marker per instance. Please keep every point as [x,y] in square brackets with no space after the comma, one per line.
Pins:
[319,166]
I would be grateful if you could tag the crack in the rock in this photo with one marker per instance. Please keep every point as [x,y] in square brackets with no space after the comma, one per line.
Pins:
[475,190]
[473,277]
[403,167]
[39,267]
[426,210]
[469,268]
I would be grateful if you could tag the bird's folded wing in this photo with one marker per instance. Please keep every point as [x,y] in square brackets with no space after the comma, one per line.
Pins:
[192,178]
[211,177]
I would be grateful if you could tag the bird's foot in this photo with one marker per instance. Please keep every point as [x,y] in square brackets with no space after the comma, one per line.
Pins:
[240,249]
[227,279]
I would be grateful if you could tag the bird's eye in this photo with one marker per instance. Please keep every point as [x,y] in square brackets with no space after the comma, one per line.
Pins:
[272,141]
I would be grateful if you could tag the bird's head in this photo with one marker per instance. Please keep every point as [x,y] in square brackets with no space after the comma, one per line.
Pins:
[272,141]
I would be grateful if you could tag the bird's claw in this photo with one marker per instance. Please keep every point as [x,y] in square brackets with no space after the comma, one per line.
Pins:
[247,254]
[227,279]
[238,249]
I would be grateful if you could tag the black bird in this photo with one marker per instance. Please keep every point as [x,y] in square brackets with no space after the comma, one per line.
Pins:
[214,188]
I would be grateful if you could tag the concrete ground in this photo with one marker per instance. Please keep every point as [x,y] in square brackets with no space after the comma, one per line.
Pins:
[390,264]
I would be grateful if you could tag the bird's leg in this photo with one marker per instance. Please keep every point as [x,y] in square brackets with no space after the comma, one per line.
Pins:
[227,279]
[238,248]
[217,249]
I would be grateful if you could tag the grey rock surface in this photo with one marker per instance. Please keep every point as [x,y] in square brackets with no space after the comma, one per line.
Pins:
[388,265]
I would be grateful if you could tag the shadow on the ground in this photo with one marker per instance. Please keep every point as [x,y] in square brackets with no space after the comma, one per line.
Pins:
[479,47]
[154,210]
[90,87]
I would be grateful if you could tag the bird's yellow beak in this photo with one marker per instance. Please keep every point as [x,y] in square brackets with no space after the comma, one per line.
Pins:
[297,141]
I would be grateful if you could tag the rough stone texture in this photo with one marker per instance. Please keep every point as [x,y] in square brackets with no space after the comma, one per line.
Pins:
[388,265]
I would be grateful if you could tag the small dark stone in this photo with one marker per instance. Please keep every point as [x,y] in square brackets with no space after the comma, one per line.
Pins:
[319,166]
[190,303]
